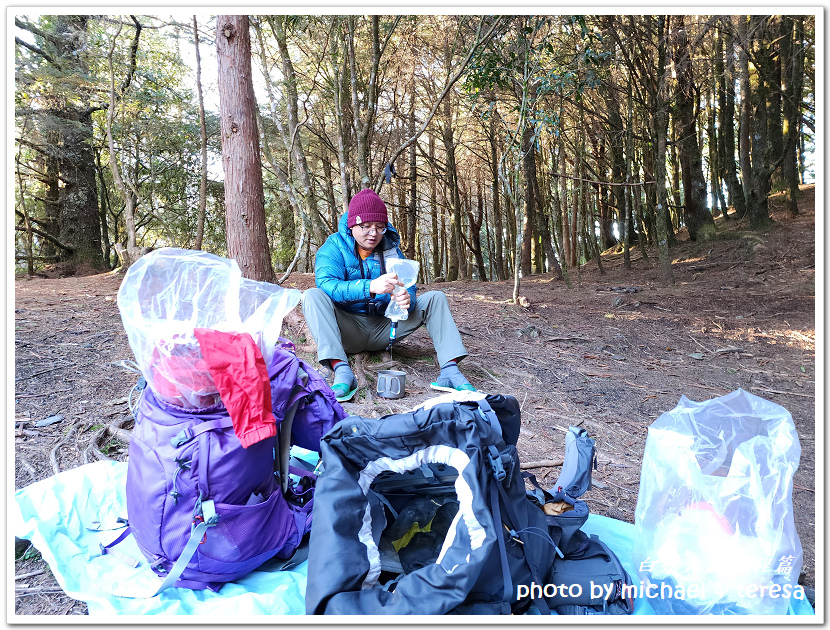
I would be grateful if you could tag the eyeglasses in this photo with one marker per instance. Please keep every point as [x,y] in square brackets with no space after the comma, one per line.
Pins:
[368,229]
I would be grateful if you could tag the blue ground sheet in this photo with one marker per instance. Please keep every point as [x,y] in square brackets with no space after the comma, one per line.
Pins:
[55,515]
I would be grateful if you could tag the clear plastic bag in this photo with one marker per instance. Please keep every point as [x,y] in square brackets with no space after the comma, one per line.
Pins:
[714,517]
[170,292]
[407,271]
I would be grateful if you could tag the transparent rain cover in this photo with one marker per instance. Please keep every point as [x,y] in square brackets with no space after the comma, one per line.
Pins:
[714,517]
[170,292]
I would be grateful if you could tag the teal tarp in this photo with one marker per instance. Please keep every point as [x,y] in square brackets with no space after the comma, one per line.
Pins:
[56,512]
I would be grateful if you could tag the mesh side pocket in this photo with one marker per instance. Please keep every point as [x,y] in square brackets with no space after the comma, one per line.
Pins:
[247,535]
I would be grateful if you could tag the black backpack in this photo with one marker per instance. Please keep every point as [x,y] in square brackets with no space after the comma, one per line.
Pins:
[427,513]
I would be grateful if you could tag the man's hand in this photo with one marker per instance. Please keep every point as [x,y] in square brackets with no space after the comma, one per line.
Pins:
[402,298]
[385,284]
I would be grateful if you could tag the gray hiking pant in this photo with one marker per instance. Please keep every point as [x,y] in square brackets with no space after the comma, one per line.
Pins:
[339,333]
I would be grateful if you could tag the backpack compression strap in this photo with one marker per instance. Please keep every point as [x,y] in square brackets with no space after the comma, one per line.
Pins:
[496,486]
[209,518]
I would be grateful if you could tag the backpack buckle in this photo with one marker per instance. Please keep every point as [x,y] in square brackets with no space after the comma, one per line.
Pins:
[208,516]
[497,466]
[182,438]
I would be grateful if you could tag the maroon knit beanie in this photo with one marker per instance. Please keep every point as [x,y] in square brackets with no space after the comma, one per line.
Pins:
[367,206]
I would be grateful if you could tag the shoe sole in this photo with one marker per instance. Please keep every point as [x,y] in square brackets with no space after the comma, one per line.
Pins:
[347,396]
[441,388]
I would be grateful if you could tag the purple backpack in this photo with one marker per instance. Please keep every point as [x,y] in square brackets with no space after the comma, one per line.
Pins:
[203,509]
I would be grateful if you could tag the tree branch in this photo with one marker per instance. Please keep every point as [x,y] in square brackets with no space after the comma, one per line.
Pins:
[38,51]
[591,181]
[473,48]
[48,237]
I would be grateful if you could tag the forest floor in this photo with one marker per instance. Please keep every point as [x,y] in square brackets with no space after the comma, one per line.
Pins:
[610,355]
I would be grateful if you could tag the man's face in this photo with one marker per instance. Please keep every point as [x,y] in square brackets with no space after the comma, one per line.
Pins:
[368,235]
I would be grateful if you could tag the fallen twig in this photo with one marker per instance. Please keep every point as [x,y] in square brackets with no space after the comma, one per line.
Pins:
[700,344]
[27,466]
[34,590]
[49,393]
[775,391]
[51,369]
[714,389]
[611,483]
[486,372]
[23,576]
[53,455]
[542,463]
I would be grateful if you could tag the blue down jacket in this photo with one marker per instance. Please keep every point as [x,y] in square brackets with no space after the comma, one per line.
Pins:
[340,272]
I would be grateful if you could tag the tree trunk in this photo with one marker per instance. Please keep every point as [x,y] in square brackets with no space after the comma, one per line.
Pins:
[776,86]
[433,204]
[363,127]
[247,235]
[727,125]
[412,219]
[125,186]
[563,210]
[498,228]
[200,220]
[793,68]
[475,232]
[294,141]
[456,253]
[755,156]
[342,127]
[79,226]
[529,167]
[328,185]
[695,212]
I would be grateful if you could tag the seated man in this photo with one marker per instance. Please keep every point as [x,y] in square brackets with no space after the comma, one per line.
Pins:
[345,312]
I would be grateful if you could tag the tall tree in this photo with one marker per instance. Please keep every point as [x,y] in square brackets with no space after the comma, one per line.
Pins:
[792,52]
[661,123]
[125,186]
[61,50]
[759,159]
[244,198]
[695,209]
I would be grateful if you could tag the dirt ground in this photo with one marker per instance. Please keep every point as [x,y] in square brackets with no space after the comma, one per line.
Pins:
[611,355]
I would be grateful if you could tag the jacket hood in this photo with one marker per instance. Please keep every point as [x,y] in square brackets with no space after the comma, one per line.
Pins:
[390,239]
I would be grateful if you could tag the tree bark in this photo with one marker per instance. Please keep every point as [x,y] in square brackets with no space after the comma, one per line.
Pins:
[247,236]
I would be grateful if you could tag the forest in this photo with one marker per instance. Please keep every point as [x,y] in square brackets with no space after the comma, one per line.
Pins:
[504,146]
[620,209]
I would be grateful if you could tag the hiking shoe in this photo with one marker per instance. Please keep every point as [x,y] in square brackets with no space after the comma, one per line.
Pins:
[344,392]
[345,384]
[452,380]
